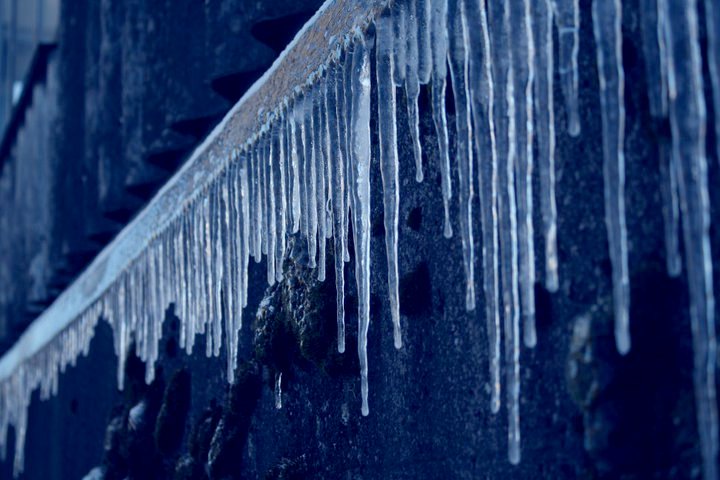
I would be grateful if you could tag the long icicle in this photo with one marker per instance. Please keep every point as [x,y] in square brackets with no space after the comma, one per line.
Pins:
[688,124]
[412,84]
[360,164]
[281,221]
[655,59]
[505,132]
[523,58]
[320,190]
[542,15]
[439,82]
[338,199]
[608,41]
[345,116]
[389,162]
[459,75]
[483,109]
[310,178]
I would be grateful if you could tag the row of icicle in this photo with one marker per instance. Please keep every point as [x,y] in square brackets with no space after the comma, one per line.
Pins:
[308,170]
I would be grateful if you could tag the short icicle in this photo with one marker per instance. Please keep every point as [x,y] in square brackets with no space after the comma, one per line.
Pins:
[271,166]
[278,390]
[425,60]
[399,16]
[294,169]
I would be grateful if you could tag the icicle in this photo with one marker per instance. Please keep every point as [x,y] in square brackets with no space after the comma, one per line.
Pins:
[262,159]
[229,289]
[278,156]
[205,278]
[400,12]
[343,89]
[327,161]
[523,55]
[346,120]
[192,268]
[218,253]
[608,40]
[688,122]
[507,220]
[20,433]
[360,164]
[295,173]
[654,56]
[269,164]
[439,78]
[389,162]
[242,248]
[542,15]
[338,198]
[302,145]
[251,185]
[567,20]
[712,27]
[278,390]
[459,76]
[425,60]
[287,166]
[412,85]
[670,208]
[258,225]
[321,197]
[245,256]
[208,280]
[182,278]
[310,181]
[482,89]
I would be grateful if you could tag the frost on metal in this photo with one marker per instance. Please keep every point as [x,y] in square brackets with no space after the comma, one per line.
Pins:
[296,157]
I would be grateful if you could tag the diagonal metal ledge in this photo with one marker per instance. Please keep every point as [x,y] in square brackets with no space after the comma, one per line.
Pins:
[308,53]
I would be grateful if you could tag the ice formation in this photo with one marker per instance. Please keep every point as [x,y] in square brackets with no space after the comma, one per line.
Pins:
[305,168]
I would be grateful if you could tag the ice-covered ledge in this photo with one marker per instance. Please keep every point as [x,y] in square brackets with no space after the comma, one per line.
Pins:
[307,53]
